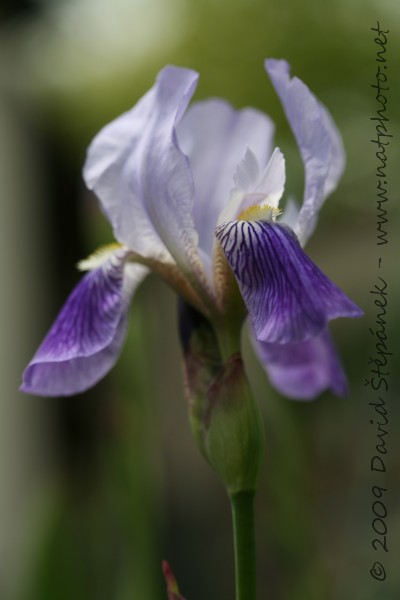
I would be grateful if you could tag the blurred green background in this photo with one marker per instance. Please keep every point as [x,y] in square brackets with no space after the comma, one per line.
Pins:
[97,489]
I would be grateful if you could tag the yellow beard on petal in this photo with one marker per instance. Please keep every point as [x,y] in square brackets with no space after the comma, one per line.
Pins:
[98,257]
[263,212]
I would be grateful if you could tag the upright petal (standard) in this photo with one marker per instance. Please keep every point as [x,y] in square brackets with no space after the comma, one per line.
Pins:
[143,179]
[318,139]
[214,136]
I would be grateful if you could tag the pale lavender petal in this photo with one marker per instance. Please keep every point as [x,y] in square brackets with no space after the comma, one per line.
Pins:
[143,179]
[303,370]
[86,338]
[288,298]
[253,189]
[270,184]
[319,142]
[290,213]
[247,172]
[215,136]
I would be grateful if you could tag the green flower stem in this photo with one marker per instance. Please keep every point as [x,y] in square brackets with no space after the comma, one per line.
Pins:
[245,545]
[228,341]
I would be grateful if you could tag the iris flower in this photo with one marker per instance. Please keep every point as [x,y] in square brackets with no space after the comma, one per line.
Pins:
[187,192]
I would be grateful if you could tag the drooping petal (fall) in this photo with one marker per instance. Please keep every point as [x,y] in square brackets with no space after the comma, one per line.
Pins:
[318,139]
[87,336]
[144,180]
[303,370]
[288,298]
[214,136]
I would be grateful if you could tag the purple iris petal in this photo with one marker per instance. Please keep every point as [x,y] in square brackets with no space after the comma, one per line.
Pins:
[303,370]
[86,338]
[318,139]
[288,298]
[214,136]
[143,179]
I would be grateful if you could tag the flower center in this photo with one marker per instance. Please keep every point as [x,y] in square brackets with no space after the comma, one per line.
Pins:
[263,212]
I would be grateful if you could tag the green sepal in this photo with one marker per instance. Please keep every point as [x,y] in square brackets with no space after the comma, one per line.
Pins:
[235,432]
[223,414]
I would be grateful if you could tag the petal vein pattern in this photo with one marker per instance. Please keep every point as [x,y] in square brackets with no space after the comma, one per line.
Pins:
[288,298]
[87,336]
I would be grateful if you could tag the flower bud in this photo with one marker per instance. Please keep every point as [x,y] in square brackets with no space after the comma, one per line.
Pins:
[224,416]
[172,585]
[235,432]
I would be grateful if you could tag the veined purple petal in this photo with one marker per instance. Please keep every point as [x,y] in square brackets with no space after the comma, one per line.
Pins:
[86,338]
[214,136]
[319,142]
[143,179]
[303,370]
[288,298]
